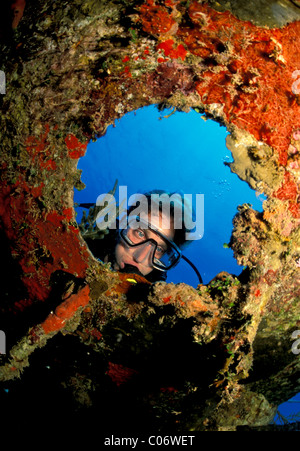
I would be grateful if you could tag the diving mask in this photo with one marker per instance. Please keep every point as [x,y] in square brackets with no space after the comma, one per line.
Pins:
[165,254]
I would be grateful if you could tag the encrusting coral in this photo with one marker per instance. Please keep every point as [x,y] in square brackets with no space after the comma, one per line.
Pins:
[190,358]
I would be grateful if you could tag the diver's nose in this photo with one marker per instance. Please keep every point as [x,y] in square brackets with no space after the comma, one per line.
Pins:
[144,253]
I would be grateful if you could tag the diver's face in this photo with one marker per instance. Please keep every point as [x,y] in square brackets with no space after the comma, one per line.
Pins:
[141,256]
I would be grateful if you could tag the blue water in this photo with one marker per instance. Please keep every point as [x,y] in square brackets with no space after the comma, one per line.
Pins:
[144,150]
[289,410]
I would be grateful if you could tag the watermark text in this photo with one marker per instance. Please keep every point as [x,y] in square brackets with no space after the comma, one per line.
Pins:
[2,82]
[175,210]
[2,342]
[296,83]
[296,345]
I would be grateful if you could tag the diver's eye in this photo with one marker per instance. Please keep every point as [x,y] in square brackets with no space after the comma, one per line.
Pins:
[140,234]
[136,235]
[159,251]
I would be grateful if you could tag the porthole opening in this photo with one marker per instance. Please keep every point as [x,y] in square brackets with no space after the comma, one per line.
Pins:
[152,149]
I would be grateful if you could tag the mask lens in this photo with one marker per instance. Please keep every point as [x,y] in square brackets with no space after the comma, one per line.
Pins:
[166,253]
[136,236]
[167,260]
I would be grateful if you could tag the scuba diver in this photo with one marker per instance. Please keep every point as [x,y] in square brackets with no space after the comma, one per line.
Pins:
[146,246]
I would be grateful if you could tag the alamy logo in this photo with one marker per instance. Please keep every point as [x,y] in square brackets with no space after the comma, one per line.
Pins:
[2,342]
[296,83]
[182,216]
[296,344]
[2,82]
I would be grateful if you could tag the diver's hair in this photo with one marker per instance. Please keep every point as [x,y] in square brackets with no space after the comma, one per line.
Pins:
[180,233]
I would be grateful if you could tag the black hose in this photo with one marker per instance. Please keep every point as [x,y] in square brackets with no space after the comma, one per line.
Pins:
[194,268]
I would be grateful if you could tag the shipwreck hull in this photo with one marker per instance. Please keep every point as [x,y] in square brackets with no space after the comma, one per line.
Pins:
[70,71]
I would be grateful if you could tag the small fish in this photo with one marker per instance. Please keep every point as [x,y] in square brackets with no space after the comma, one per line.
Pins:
[244,207]
[131,280]
[85,205]
[92,225]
